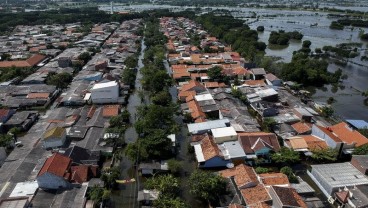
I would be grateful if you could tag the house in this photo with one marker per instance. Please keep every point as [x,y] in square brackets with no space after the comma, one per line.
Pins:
[297,144]
[110,110]
[107,92]
[146,197]
[251,191]
[303,114]
[30,62]
[274,179]
[357,124]
[22,120]
[351,197]
[208,154]
[340,136]
[80,156]
[330,178]
[5,114]
[153,167]
[302,128]
[224,134]
[200,128]
[258,144]
[286,197]
[360,162]
[258,73]
[54,138]
[54,173]
[271,79]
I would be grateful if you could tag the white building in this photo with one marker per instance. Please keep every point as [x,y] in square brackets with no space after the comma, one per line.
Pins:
[107,92]
[225,134]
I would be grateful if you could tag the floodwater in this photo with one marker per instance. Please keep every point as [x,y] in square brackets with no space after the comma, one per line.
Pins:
[126,195]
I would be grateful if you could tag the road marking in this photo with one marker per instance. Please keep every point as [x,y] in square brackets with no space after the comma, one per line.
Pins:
[4,188]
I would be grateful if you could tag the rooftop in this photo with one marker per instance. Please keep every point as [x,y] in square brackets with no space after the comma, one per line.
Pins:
[340,174]
[57,164]
[223,132]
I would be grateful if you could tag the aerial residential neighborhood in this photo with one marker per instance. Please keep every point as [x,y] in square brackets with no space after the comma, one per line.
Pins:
[164,106]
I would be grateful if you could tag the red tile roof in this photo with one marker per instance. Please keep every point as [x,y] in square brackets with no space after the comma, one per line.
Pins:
[191,85]
[110,110]
[209,148]
[243,175]
[255,195]
[271,179]
[57,164]
[301,127]
[252,142]
[314,143]
[348,135]
[32,61]
[38,95]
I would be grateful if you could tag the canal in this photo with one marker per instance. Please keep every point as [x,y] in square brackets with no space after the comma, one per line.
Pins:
[126,195]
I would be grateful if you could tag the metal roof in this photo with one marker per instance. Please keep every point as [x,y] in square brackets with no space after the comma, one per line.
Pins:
[339,174]
[205,126]
[359,124]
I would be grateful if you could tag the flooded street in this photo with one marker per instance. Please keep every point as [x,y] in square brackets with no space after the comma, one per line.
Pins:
[126,195]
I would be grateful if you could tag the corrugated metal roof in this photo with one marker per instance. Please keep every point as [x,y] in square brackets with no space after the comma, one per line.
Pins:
[359,124]
[205,126]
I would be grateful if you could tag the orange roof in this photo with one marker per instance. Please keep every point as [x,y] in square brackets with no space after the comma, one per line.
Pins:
[255,195]
[348,135]
[196,75]
[57,164]
[80,173]
[314,143]
[195,58]
[38,95]
[260,205]
[297,143]
[242,174]
[209,148]
[195,109]
[328,132]
[270,179]
[110,110]
[181,75]
[30,62]
[211,84]
[255,82]
[185,94]
[191,85]
[301,127]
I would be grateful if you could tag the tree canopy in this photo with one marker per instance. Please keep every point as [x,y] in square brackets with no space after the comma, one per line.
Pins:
[286,155]
[324,155]
[61,80]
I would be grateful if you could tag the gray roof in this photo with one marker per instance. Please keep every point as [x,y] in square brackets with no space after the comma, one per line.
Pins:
[195,128]
[339,174]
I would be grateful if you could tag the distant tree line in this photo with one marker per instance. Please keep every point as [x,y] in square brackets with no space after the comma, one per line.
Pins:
[282,38]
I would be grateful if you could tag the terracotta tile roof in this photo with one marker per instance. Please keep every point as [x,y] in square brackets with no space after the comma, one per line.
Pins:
[195,109]
[197,75]
[184,94]
[343,196]
[212,84]
[191,85]
[329,133]
[348,135]
[255,82]
[209,148]
[235,206]
[297,143]
[110,110]
[271,179]
[79,173]
[38,95]
[302,127]
[199,137]
[252,142]
[255,195]
[30,62]
[260,205]
[57,164]
[271,77]
[243,175]
[314,143]
[289,197]
[4,112]
[181,75]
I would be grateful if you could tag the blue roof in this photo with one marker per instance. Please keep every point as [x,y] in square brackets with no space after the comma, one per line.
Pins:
[359,124]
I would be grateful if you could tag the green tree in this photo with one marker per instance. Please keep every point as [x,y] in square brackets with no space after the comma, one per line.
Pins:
[286,155]
[307,43]
[324,155]
[61,80]
[85,57]
[98,194]
[167,185]
[174,166]
[215,73]
[169,202]
[268,124]
[260,170]
[129,76]
[289,173]
[6,140]
[162,98]
[109,177]
[361,150]
[327,111]
[116,121]
[206,186]
[260,28]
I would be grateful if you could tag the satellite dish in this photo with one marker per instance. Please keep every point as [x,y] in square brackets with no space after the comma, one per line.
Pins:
[230,165]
